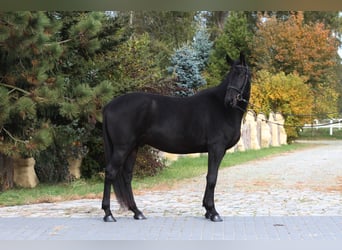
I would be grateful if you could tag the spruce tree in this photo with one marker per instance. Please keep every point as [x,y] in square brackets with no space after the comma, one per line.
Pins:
[189,61]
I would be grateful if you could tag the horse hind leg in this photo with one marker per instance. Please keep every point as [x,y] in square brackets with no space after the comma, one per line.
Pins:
[128,175]
[111,175]
[119,173]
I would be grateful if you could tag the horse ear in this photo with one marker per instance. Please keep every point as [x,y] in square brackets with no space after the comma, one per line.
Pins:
[229,60]
[242,58]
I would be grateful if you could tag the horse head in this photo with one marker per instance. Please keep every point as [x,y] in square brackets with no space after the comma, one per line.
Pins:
[238,82]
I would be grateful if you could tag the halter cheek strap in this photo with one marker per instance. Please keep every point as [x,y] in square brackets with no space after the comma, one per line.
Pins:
[240,91]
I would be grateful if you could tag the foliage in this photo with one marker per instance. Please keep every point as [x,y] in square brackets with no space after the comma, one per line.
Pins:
[186,68]
[332,20]
[215,21]
[167,30]
[189,61]
[51,78]
[165,86]
[134,64]
[28,57]
[94,161]
[287,94]
[173,28]
[293,46]
[68,143]
[148,162]
[202,45]
[235,37]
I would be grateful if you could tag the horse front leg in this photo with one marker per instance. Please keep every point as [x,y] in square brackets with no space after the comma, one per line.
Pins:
[216,154]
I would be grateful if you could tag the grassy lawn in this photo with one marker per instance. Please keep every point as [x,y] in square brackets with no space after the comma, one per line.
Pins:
[182,169]
[321,133]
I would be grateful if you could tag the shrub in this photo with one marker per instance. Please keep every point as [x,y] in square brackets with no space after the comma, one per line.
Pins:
[148,162]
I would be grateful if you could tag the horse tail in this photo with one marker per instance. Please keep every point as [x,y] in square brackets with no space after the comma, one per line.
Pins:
[121,191]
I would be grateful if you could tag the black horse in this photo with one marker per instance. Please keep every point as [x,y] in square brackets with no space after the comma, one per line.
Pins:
[209,121]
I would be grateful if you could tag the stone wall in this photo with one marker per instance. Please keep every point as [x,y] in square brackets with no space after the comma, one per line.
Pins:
[257,131]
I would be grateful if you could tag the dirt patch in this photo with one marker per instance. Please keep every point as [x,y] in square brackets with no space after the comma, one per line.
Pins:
[261,183]
[334,188]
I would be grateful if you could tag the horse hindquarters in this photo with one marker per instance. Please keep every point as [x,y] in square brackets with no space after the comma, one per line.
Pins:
[119,173]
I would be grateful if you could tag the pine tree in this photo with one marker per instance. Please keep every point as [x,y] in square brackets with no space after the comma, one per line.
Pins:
[50,76]
[27,60]
[86,37]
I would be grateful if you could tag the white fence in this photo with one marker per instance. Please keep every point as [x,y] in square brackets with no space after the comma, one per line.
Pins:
[331,124]
[257,131]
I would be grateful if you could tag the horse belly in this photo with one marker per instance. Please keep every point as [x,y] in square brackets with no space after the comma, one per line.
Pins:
[175,142]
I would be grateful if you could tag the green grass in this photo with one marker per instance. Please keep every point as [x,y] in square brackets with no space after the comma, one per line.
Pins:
[321,133]
[179,170]
[186,167]
[51,193]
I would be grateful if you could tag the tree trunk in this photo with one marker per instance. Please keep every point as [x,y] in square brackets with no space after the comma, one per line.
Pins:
[6,173]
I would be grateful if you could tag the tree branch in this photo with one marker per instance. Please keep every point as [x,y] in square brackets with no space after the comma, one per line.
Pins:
[12,137]
[60,42]
[15,88]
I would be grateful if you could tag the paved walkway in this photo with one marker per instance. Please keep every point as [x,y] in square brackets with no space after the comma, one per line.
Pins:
[174,228]
[294,195]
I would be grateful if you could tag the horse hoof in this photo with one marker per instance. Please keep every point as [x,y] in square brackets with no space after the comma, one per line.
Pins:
[213,217]
[216,218]
[109,218]
[139,217]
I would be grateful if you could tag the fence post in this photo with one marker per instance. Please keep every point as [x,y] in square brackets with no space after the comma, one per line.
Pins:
[331,128]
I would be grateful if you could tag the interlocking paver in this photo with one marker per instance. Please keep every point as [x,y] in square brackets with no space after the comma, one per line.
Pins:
[233,228]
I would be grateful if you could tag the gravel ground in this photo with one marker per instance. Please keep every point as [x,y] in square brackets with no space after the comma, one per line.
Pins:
[302,183]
